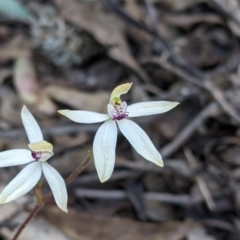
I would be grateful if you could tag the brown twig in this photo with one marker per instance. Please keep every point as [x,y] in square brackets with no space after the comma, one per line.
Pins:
[176,199]
[200,180]
[181,200]
[183,136]
[55,130]
[48,196]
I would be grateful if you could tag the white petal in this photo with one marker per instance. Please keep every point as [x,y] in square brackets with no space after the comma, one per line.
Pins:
[104,146]
[84,116]
[31,126]
[140,141]
[150,108]
[25,181]
[57,185]
[15,157]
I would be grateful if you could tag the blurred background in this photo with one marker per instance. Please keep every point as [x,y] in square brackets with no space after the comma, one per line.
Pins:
[70,54]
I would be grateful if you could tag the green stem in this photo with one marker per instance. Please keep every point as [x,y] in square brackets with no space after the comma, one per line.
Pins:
[49,195]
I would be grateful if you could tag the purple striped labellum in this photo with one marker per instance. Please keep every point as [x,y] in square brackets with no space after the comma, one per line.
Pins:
[41,151]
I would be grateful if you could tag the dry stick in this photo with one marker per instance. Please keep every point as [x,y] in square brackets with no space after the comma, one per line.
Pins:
[200,180]
[48,196]
[176,199]
[181,199]
[55,130]
[205,84]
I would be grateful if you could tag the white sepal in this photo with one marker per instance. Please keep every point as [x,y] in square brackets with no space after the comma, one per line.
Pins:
[15,157]
[104,147]
[84,116]
[140,141]
[57,185]
[150,108]
[31,126]
[25,181]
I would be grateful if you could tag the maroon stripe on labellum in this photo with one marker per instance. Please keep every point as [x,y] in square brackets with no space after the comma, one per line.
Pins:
[120,111]
[36,155]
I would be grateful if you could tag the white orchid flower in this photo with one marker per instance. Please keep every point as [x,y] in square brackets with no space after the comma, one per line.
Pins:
[40,151]
[105,140]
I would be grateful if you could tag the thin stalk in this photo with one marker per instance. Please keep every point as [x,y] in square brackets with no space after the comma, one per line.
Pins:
[38,192]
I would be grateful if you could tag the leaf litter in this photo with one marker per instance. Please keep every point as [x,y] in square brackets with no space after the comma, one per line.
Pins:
[72,57]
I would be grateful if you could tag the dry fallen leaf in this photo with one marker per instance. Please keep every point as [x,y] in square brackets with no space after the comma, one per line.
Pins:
[96,101]
[28,87]
[90,227]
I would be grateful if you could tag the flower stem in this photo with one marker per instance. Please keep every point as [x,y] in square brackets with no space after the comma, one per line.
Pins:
[38,192]
[49,195]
